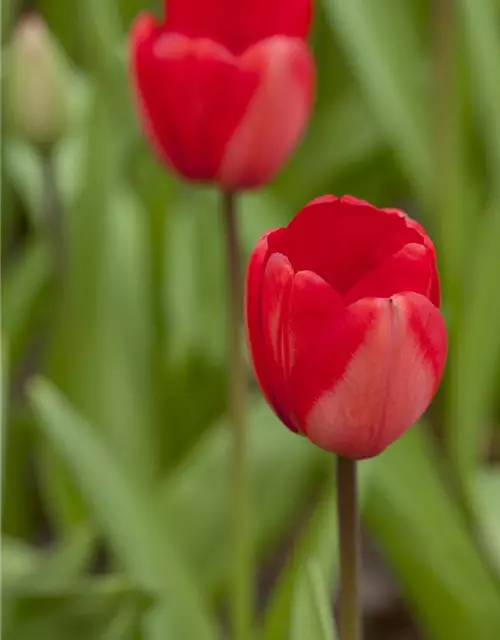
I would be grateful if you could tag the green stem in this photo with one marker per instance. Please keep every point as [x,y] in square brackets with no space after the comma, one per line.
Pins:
[348,523]
[52,211]
[241,592]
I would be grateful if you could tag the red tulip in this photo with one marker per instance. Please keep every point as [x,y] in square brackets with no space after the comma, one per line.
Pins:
[343,324]
[224,88]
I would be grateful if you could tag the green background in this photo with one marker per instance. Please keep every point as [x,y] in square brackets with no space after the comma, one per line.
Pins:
[115,467]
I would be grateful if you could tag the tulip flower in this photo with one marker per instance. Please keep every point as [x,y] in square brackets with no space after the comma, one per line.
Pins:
[343,324]
[38,83]
[224,89]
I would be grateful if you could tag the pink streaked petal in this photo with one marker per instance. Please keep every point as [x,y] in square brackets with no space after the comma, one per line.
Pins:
[276,116]
[314,309]
[389,381]
[410,269]
[428,327]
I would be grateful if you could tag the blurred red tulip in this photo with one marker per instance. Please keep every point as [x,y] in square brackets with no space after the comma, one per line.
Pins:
[224,88]
[343,324]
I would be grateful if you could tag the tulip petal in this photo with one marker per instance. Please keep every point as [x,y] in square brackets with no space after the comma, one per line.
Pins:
[276,116]
[435,294]
[276,288]
[343,238]
[253,312]
[359,385]
[264,366]
[410,269]
[238,24]
[192,95]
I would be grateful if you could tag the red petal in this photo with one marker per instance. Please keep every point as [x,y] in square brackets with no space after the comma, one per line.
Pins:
[253,312]
[192,94]
[359,384]
[263,365]
[410,269]
[342,238]
[276,288]
[238,24]
[276,115]
[435,295]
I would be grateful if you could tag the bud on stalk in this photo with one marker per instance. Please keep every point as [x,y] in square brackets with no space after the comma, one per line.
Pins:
[37,78]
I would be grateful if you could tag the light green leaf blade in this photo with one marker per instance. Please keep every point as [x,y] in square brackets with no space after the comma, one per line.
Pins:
[480,22]
[488,511]
[380,44]
[24,167]
[83,611]
[4,390]
[476,357]
[22,290]
[283,472]
[312,612]
[127,517]
[319,545]
[10,10]
[341,135]
[425,538]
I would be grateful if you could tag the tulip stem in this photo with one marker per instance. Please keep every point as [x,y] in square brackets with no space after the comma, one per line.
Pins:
[348,523]
[241,591]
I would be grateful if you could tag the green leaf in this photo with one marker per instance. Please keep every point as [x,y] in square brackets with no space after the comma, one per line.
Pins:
[18,560]
[425,538]
[487,508]
[317,544]
[69,559]
[480,22]
[340,136]
[80,329]
[379,41]
[23,166]
[23,286]
[10,12]
[476,355]
[126,516]
[283,472]
[85,611]
[55,569]
[4,394]
[312,611]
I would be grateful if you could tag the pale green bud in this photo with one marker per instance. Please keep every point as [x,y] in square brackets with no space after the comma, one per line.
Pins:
[37,76]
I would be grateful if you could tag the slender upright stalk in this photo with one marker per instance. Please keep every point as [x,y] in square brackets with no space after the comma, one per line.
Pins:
[241,593]
[52,213]
[348,523]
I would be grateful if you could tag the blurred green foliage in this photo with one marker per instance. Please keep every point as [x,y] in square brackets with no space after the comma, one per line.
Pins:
[115,474]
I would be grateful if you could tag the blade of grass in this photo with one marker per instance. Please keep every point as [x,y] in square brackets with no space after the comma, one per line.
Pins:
[378,39]
[312,611]
[480,22]
[10,12]
[476,354]
[487,490]
[409,508]
[283,472]
[127,516]
[4,382]
[319,544]
[24,283]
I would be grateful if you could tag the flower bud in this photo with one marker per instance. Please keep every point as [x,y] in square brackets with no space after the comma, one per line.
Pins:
[37,78]
[224,89]
[343,324]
